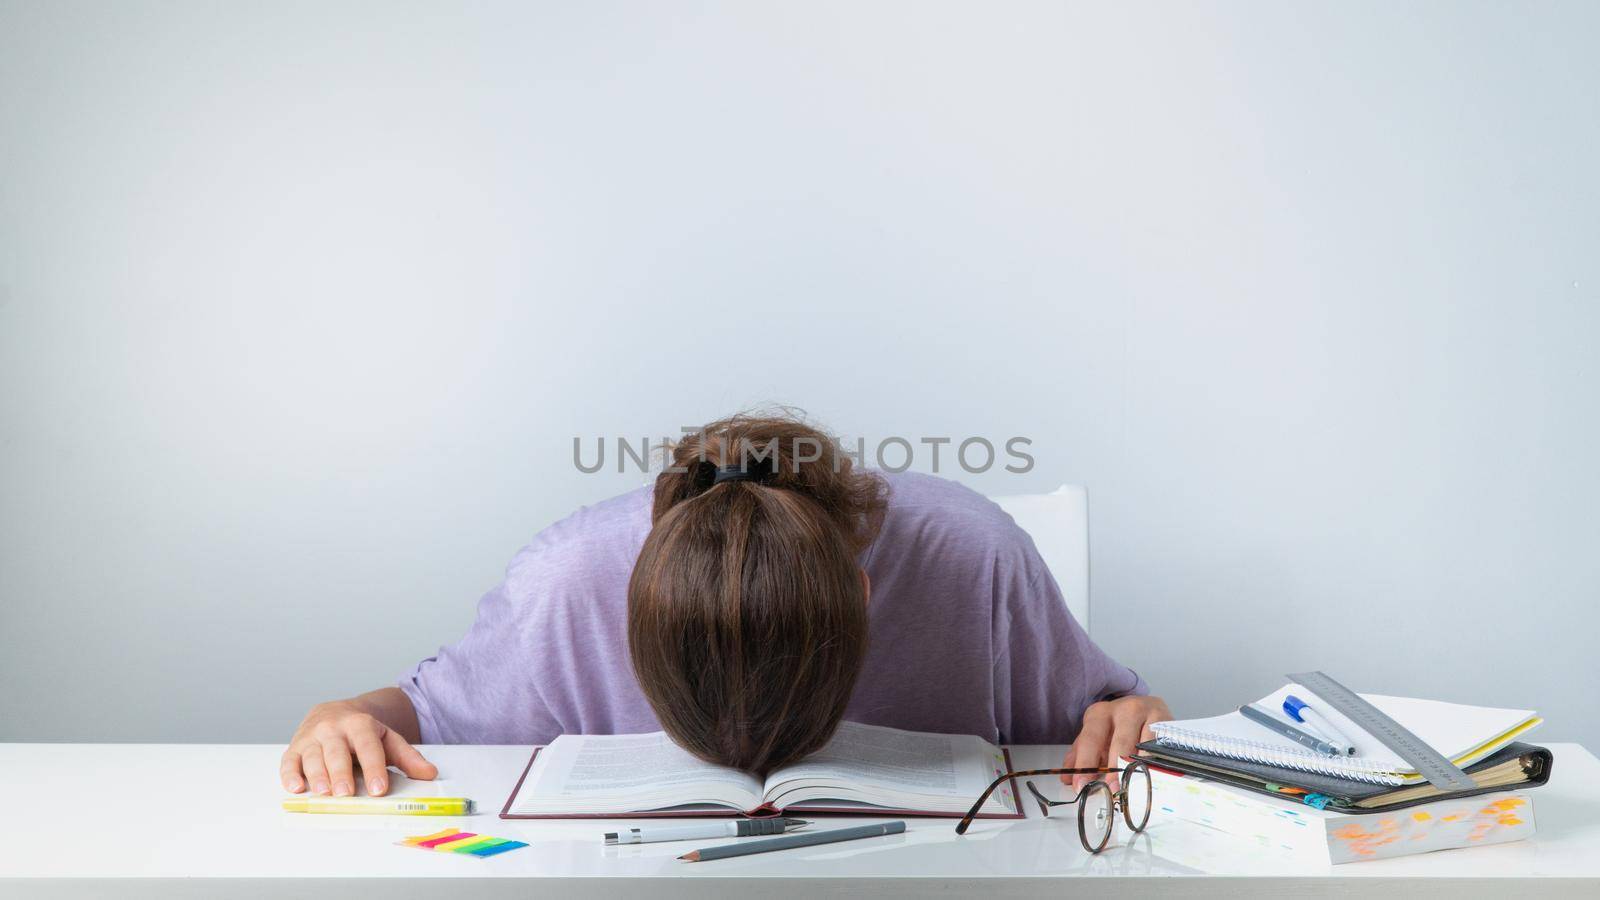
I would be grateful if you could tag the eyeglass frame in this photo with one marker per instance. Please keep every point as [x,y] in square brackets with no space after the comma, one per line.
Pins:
[1119,798]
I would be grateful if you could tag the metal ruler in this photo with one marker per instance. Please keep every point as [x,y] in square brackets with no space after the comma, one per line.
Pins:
[1427,761]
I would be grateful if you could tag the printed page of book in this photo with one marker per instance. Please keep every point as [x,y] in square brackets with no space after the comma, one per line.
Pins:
[589,774]
[888,767]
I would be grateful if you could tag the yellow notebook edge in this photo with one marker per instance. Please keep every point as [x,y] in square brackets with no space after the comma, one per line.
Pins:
[1462,760]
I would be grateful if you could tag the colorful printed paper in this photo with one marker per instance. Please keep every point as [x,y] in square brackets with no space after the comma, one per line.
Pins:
[1465,823]
[454,840]
[1267,824]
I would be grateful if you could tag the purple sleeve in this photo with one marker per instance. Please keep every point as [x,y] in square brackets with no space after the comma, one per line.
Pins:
[1047,671]
[481,689]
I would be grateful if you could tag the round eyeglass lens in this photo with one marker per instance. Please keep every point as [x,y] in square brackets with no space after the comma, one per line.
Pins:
[1095,816]
[1136,807]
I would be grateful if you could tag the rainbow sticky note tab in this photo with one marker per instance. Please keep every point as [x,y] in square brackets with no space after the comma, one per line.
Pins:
[454,840]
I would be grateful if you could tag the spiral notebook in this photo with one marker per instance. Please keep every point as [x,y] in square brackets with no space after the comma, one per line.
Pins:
[1464,734]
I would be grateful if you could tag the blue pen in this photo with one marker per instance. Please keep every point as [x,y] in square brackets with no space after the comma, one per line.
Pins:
[1299,711]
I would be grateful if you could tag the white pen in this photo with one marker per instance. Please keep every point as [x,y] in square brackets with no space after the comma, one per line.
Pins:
[1300,712]
[739,828]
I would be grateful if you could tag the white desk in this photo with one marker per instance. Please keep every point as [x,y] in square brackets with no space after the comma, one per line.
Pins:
[198,820]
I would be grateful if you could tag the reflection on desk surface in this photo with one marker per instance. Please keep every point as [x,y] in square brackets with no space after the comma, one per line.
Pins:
[226,823]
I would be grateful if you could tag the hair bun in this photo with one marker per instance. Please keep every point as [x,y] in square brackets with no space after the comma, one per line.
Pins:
[774,452]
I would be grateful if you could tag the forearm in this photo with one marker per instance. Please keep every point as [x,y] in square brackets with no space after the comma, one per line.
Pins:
[393,708]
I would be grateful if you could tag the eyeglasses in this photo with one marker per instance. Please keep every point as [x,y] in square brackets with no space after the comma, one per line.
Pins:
[1097,802]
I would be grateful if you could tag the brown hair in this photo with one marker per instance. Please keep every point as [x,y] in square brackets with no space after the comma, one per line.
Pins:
[747,614]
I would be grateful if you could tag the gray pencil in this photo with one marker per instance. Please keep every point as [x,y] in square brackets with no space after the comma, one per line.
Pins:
[807,839]
[1266,719]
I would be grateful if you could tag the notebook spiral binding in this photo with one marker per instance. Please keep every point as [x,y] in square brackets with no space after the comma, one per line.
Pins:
[1254,751]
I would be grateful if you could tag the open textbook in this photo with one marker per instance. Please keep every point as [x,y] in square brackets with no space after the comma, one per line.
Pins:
[864,769]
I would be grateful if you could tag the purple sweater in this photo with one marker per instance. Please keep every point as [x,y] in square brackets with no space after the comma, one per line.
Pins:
[969,634]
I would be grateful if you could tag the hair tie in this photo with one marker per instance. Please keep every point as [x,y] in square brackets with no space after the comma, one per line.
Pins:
[760,470]
[706,474]
[736,473]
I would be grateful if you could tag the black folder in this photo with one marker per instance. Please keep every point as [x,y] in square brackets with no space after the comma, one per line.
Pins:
[1514,766]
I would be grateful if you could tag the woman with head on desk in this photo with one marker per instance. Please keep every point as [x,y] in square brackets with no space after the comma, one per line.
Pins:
[762,591]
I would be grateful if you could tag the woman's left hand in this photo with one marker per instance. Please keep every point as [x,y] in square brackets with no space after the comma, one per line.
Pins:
[1111,730]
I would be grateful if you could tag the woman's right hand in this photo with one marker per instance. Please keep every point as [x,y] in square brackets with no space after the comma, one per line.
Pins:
[336,736]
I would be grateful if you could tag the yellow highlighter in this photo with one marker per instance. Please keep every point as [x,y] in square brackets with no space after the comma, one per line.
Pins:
[382,806]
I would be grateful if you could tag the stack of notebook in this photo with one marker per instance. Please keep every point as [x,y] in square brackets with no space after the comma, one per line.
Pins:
[1250,758]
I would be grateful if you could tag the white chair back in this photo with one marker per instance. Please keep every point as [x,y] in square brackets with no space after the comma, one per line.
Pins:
[1058,522]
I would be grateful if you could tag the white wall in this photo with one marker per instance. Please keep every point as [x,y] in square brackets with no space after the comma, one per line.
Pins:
[301,307]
